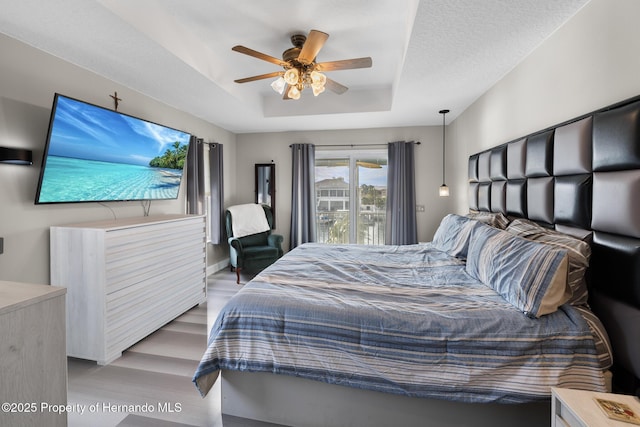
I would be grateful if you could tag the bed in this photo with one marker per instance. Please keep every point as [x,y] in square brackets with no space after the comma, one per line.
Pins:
[438,334]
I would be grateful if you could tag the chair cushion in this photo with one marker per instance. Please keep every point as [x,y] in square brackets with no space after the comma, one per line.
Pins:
[259,239]
[260,252]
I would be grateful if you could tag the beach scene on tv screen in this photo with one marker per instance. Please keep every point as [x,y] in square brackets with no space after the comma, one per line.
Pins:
[95,154]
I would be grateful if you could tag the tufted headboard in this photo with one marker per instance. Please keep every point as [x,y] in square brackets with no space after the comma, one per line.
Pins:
[581,177]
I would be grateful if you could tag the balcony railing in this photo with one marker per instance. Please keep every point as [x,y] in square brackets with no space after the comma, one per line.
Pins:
[333,227]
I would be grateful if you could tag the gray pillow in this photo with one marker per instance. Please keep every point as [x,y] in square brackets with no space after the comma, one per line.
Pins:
[452,236]
[531,276]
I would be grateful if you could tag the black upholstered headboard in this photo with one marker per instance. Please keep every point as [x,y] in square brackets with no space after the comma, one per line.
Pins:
[581,177]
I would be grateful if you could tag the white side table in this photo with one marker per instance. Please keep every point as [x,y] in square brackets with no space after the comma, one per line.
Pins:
[577,408]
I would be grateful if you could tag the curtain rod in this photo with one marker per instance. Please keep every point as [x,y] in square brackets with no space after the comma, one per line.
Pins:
[353,145]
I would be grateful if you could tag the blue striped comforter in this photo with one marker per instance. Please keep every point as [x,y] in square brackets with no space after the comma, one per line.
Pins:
[399,319]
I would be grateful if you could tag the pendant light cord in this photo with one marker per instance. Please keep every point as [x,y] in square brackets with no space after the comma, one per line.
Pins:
[443,112]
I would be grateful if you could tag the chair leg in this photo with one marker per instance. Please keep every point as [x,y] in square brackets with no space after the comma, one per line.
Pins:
[238,275]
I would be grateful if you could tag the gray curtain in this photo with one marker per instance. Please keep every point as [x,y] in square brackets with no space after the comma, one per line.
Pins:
[216,186]
[195,177]
[303,201]
[401,228]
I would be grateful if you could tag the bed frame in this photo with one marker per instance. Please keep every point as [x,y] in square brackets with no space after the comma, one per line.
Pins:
[581,177]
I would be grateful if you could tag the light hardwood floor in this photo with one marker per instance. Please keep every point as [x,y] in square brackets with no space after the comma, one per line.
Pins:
[154,375]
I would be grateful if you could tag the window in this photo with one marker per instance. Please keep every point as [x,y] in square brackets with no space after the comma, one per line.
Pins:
[344,180]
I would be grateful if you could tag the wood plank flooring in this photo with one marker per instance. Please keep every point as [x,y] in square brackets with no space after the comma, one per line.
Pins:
[150,385]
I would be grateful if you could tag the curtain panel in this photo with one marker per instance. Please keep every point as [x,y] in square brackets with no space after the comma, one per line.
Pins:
[401,228]
[196,204]
[216,188]
[303,200]
[195,176]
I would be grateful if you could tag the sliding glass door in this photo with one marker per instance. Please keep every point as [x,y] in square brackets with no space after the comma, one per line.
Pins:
[351,195]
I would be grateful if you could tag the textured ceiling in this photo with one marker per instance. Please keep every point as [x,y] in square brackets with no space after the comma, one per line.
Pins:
[427,54]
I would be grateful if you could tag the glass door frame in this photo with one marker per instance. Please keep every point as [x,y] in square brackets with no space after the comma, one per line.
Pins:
[352,155]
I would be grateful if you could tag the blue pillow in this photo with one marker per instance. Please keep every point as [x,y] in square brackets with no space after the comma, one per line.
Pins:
[529,275]
[452,236]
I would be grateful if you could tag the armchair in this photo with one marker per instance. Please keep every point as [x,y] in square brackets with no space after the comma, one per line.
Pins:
[249,250]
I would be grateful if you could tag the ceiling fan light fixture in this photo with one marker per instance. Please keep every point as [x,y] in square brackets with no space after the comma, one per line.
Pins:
[294,93]
[317,89]
[318,78]
[300,67]
[291,76]
[278,85]
[318,81]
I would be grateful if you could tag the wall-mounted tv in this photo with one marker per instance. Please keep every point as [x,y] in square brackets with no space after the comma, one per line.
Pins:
[94,154]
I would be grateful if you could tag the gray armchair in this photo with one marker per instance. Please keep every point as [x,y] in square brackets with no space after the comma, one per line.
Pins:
[253,252]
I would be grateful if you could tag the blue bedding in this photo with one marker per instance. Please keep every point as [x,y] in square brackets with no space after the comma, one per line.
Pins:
[398,319]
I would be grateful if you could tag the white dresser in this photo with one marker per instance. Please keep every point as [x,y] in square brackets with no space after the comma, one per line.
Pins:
[126,278]
[33,362]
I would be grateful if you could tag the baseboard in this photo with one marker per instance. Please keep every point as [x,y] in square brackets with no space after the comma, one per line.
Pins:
[220,265]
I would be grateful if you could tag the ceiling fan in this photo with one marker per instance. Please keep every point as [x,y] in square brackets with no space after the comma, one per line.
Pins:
[300,67]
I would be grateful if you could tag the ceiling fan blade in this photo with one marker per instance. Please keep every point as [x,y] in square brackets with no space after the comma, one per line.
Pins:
[368,165]
[313,44]
[259,55]
[260,77]
[345,64]
[335,87]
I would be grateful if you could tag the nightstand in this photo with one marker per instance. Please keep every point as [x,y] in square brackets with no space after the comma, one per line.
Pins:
[33,356]
[577,408]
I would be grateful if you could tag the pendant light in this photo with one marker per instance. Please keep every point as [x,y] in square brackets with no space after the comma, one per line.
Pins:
[443,190]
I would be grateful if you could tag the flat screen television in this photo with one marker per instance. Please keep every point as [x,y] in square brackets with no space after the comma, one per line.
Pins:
[94,154]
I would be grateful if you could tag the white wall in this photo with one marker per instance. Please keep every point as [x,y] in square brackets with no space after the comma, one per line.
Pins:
[263,148]
[28,80]
[27,85]
[591,62]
